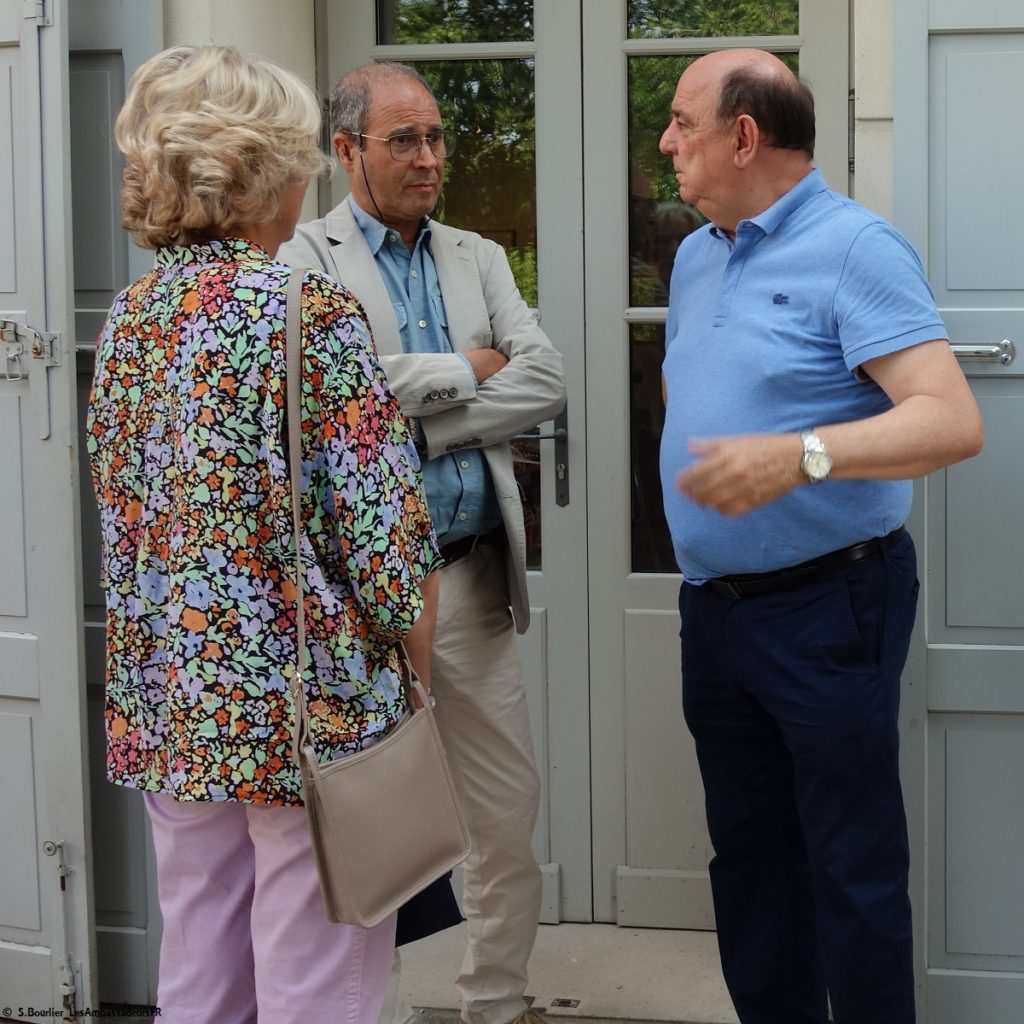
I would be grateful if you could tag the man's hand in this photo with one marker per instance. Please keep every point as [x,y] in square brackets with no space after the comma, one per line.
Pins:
[486,362]
[736,474]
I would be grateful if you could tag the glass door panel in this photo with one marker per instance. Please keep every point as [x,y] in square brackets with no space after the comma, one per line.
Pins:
[651,543]
[675,19]
[658,219]
[491,188]
[491,178]
[454,21]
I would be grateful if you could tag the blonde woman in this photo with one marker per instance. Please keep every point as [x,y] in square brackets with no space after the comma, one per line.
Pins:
[186,438]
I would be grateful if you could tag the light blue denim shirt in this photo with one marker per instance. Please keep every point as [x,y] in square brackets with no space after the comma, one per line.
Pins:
[459,488]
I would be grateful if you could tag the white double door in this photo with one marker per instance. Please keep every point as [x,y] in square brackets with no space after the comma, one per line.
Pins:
[622,836]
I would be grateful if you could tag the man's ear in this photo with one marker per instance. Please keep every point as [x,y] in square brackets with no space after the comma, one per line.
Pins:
[347,149]
[747,140]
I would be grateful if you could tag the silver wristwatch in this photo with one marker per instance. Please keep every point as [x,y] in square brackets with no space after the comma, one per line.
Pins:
[816,463]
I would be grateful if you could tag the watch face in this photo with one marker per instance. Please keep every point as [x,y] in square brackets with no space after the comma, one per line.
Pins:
[817,465]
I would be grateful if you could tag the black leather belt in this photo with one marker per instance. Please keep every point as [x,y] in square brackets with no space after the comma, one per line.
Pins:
[467,545]
[755,583]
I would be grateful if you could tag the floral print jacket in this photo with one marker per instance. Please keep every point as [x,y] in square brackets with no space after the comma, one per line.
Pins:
[187,442]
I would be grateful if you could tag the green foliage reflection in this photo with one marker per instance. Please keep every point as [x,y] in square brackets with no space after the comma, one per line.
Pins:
[454,21]
[491,177]
[675,19]
[651,85]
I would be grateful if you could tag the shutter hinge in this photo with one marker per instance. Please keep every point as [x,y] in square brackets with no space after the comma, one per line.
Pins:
[851,142]
[39,11]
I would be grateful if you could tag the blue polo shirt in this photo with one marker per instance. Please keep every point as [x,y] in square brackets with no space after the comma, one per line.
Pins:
[766,334]
[459,489]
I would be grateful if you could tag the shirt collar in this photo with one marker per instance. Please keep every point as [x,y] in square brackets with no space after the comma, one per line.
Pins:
[769,220]
[216,250]
[376,233]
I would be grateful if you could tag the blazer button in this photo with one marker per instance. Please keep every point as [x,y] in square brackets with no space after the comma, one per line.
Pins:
[453,392]
[443,393]
[435,394]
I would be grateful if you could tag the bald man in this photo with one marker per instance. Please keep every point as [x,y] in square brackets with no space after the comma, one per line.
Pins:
[808,378]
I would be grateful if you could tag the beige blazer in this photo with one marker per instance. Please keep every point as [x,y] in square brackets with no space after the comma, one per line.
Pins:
[484,308]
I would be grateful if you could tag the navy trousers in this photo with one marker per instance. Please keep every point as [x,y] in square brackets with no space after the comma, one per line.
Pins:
[792,698]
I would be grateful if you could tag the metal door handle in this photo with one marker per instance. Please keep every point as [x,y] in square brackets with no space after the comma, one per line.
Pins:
[556,435]
[969,352]
[560,435]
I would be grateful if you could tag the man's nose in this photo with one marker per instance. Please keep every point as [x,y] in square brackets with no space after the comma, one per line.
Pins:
[667,141]
[424,155]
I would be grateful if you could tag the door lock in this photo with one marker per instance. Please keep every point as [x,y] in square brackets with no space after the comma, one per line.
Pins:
[13,350]
[560,435]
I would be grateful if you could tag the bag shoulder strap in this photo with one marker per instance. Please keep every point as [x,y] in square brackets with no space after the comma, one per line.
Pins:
[293,392]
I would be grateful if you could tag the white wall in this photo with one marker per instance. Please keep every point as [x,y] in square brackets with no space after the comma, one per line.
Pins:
[279,31]
[873,87]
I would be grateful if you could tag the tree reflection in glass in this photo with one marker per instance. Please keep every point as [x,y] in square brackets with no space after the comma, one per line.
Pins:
[680,19]
[454,21]
[658,219]
[491,188]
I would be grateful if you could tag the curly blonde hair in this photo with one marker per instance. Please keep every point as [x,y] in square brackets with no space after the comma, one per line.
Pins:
[211,139]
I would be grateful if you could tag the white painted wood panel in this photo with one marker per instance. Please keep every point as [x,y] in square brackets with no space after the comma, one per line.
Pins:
[46,940]
[956,197]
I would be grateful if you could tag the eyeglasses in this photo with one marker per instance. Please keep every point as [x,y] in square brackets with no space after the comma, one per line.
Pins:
[405,146]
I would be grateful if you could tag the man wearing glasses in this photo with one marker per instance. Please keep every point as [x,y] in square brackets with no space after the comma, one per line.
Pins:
[470,366]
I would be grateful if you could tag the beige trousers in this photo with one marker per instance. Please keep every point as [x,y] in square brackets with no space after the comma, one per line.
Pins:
[482,715]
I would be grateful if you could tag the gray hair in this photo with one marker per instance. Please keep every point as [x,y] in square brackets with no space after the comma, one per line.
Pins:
[350,100]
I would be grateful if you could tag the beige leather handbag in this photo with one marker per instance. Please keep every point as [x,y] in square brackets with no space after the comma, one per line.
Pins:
[385,822]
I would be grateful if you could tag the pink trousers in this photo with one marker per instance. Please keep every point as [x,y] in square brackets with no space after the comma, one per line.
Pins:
[245,939]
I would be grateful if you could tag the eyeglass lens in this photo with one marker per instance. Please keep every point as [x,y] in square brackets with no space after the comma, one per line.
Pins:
[407,145]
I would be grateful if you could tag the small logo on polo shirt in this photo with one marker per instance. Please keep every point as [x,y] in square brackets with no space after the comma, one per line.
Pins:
[780,300]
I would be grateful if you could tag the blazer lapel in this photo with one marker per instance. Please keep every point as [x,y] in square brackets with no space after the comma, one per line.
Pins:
[357,271]
[459,280]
